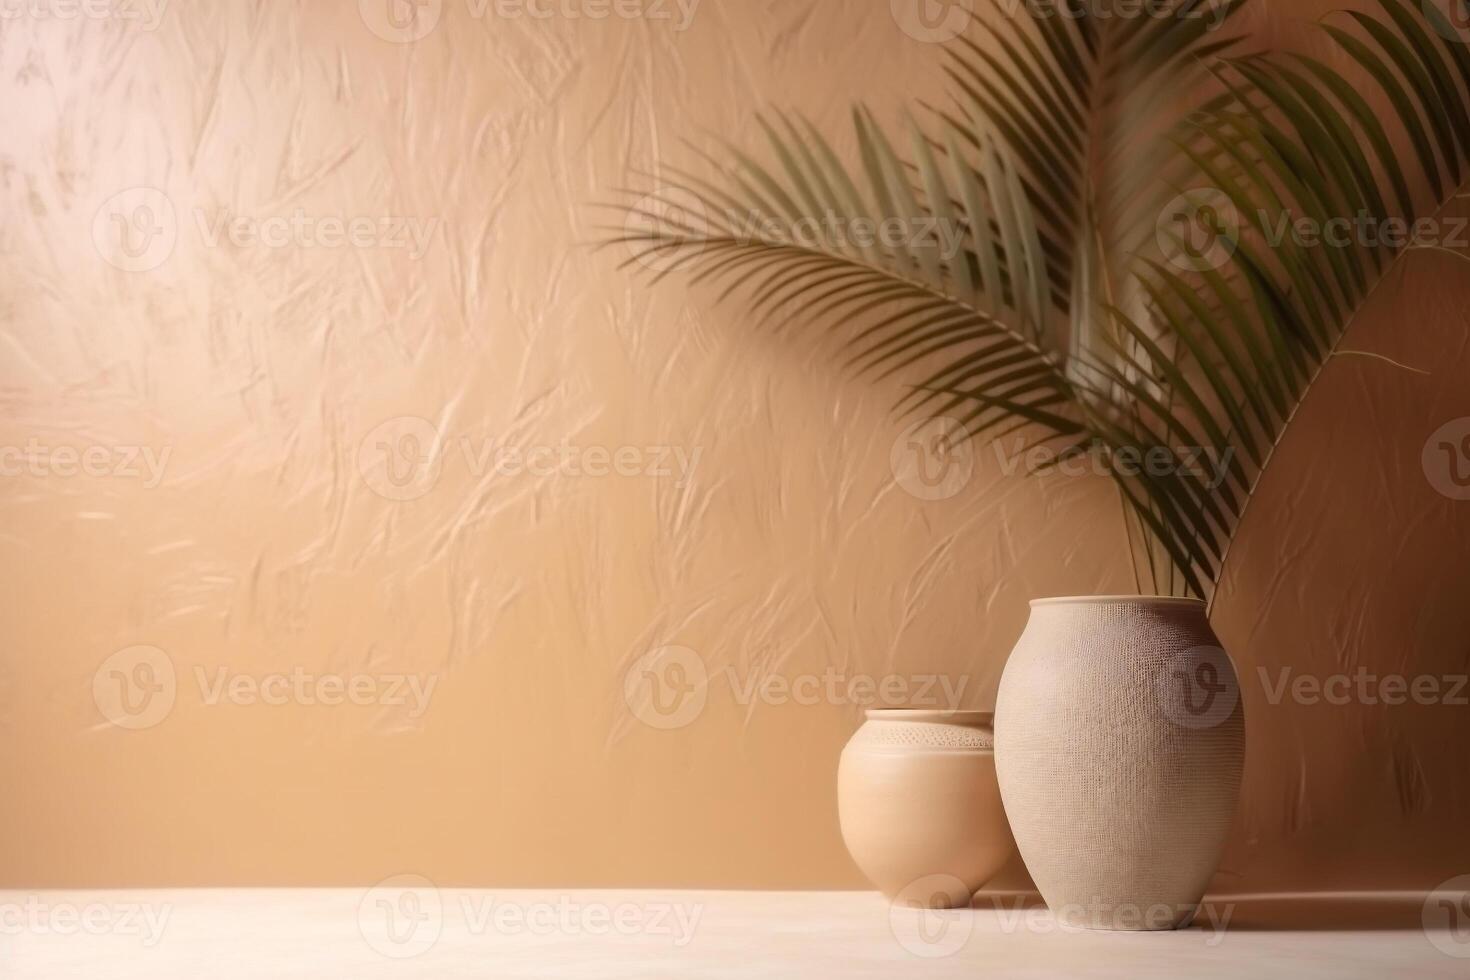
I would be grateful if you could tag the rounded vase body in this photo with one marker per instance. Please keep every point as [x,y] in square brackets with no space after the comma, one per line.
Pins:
[920,807]
[1120,740]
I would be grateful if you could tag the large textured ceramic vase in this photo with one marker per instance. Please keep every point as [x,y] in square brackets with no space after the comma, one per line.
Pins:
[1119,747]
[919,805]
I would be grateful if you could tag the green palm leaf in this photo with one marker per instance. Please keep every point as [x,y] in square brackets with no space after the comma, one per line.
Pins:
[1030,284]
[1308,145]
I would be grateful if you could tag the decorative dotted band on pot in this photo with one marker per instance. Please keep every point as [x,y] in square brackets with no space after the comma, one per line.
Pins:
[925,735]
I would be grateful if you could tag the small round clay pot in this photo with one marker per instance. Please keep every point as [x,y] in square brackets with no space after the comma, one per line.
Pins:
[920,807]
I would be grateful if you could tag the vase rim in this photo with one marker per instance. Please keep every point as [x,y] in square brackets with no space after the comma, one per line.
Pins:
[941,715]
[1132,600]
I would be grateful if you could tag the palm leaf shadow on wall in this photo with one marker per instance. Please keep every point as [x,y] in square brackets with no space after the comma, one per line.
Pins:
[1091,247]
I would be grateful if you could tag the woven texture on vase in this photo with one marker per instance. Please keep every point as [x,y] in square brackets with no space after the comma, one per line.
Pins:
[1120,741]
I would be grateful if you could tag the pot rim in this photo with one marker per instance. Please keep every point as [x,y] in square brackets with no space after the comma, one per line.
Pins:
[1132,600]
[944,716]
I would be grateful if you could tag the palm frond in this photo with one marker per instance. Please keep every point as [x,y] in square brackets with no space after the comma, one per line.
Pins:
[1308,145]
[1089,105]
[1033,281]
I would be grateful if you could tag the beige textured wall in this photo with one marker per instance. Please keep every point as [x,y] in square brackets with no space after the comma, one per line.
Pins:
[265,381]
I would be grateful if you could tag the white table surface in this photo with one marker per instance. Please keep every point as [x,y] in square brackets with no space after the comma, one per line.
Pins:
[221,934]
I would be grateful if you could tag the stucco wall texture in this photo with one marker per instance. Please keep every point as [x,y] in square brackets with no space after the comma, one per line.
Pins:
[283,290]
